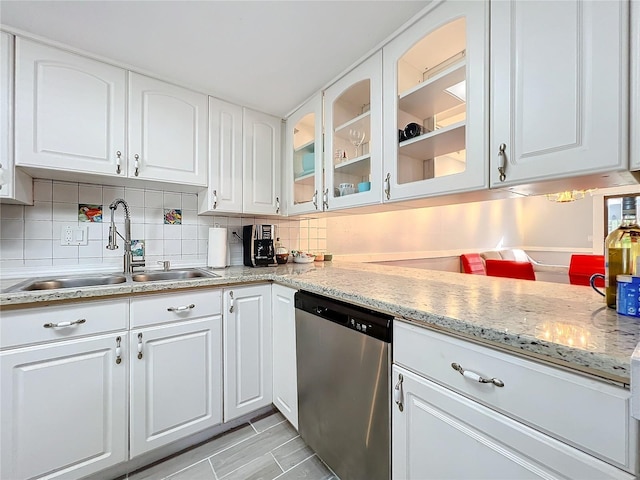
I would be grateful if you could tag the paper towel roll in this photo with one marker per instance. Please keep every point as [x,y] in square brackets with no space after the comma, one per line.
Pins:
[217,249]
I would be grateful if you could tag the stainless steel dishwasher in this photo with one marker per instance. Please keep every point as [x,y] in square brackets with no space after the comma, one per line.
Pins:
[343,360]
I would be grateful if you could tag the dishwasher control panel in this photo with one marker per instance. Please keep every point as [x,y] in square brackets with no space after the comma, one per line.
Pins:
[360,319]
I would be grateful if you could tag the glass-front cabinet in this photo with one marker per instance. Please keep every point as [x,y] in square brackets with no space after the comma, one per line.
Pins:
[304,170]
[353,130]
[435,104]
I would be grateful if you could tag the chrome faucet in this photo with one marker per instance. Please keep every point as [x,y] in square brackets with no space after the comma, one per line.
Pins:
[129,262]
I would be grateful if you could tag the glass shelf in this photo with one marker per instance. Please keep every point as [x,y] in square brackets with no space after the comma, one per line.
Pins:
[308,147]
[361,122]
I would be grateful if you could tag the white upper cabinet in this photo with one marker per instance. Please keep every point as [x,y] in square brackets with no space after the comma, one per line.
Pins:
[559,89]
[435,103]
[167,132]
[224,191]
[70,111]
[261,163]
[303,159]
[353,137]
[15,185]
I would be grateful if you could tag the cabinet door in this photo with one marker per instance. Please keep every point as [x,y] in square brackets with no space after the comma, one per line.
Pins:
[261,163]
[176,381]
[440,434]
[285,383]
[70,111]
[559,80]
[303,159]
[167,132]
[353,154]
[15,185]
[435,103]
[63,408]
[247,350]
[224,193]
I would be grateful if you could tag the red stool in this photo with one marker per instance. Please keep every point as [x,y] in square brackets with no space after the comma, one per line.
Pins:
[472,263]
[582,267]
[510,269]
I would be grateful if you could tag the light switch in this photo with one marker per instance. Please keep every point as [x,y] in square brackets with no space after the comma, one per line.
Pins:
[74,235]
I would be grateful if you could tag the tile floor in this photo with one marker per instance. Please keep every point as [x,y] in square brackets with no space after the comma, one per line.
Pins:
[266,448]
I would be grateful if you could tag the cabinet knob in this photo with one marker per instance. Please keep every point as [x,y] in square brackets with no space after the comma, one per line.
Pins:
[387,186]
[136,164]
[140,346]
[118,351]
[118,160]
[315,200]
[277,204]
[215,199]
[502,162]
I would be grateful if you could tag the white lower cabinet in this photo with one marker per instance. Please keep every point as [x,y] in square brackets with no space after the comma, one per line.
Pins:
[247,350]
[440,434]
[176,381]
[285,375]
[63,408]
[527,421]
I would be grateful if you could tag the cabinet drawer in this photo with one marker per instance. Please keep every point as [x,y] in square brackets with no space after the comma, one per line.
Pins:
[589,414]
[21,327]
[174,307]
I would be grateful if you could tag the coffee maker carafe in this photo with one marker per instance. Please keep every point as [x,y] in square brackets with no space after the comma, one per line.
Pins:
[258,245]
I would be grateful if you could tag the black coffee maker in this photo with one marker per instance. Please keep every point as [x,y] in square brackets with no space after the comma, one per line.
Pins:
[258,245]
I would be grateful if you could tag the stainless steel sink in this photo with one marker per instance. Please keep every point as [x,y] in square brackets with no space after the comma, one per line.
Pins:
[171,275]
[73,282]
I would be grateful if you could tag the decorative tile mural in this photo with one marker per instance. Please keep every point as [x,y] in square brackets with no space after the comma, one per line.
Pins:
[172,216]
[89,213]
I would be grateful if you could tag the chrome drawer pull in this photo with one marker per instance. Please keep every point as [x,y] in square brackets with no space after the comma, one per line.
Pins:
[397,393]
[64,324]
[475,377]
[182,308]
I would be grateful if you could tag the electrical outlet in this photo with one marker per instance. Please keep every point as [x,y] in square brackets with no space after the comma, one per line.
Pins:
[74,235]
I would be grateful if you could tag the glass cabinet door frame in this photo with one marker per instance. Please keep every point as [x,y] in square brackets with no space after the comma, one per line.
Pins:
[476,129]
[314,203]
[371,70]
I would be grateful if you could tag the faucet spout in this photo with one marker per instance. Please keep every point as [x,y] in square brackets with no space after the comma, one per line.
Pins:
[129,263]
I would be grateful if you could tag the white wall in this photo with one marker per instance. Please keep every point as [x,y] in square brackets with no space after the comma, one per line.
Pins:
[426,232]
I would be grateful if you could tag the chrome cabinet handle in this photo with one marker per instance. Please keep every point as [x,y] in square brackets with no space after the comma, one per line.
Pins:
[315,200]
[182,308]
[65,324]
[475,377]
[502,162]
[325,199]
[215,199]
[136,164]
[118,159]
[140,346]
[398,394]
[277,204]
[231,304]
[387,186]
[118,351]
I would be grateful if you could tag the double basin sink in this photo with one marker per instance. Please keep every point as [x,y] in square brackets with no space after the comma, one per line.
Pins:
[114,279]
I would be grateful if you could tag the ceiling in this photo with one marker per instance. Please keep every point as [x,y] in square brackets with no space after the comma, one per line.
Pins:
[268,55]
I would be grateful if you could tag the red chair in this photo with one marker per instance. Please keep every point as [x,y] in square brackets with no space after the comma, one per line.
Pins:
[582,267]
[472,263]
[510,269]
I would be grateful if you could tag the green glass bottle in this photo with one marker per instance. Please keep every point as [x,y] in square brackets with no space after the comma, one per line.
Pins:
[622,250]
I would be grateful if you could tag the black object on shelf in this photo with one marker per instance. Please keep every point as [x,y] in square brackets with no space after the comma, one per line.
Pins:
[412,130]
[401,136]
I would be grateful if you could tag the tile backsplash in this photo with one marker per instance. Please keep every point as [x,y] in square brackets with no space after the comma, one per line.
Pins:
[30,235]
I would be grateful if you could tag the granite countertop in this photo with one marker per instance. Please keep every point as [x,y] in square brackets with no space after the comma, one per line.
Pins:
[564,324]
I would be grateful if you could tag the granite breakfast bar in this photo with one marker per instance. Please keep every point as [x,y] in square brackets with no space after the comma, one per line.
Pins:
[563,324]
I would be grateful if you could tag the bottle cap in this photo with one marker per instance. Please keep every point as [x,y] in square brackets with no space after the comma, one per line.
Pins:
[629,205]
